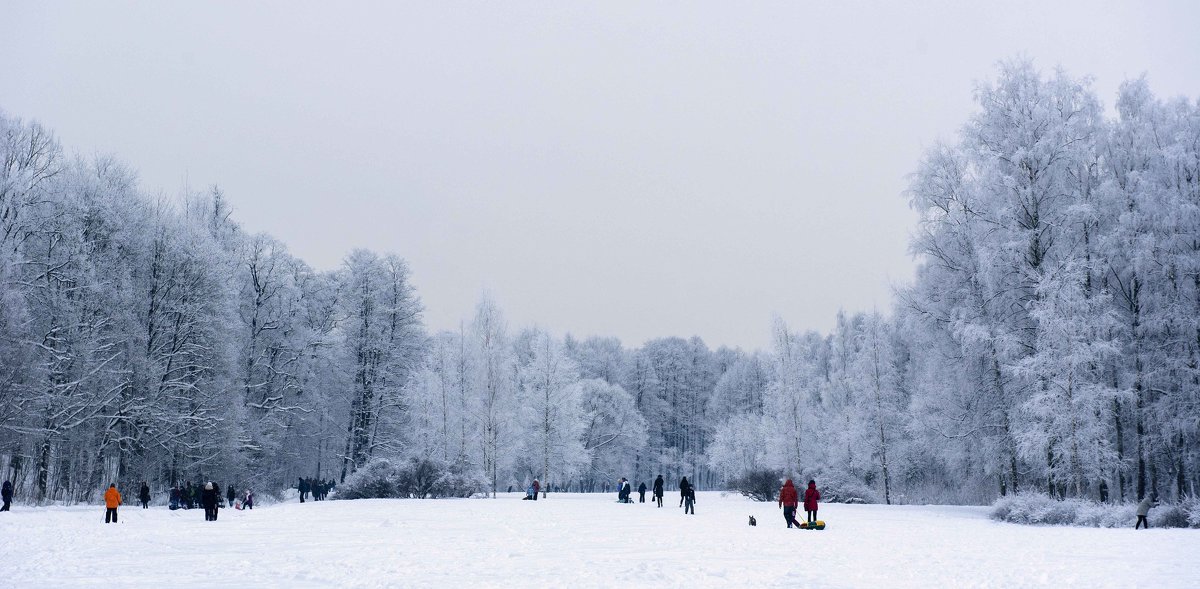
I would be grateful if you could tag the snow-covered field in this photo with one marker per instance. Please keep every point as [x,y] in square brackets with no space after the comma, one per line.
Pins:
[575,541]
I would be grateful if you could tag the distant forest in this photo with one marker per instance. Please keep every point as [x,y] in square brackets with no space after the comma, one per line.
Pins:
[1049,341]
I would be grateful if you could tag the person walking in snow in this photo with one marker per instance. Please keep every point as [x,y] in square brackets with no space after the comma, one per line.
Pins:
[811,496]
[112,500]
[186,495]
[1142,511]
[208,498]
[248,502]
[789,500]
[537,487]
[303,488]
[144,495]
[230,495]
[687,496]
[642,492]
[6,493]
[658,490]
[175,498]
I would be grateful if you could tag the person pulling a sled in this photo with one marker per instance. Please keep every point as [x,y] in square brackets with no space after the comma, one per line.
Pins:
[811,497]
[789,500]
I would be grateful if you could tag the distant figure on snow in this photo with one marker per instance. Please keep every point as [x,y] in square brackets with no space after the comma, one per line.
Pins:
[112,500]
[248,502]
[811,496]
[537,487]
[528,493]
[144,495]
[303,488]
[186,493]
[642,492]
[687,496]
[230,494]
[789,500]
[208,497]
[1142,511]
[6,493]
[658,489]
[176,498]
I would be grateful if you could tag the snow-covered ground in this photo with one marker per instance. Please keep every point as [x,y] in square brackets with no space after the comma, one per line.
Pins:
[575,541]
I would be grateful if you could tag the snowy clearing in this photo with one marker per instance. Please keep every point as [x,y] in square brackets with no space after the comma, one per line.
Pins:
[576,541]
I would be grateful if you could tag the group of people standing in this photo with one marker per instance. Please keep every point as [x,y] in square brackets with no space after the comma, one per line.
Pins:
[191,496]
[687,493]
[319,489]
[789,500]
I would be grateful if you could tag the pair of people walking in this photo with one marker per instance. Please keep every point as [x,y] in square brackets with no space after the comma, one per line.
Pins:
[687,496]
[789,500]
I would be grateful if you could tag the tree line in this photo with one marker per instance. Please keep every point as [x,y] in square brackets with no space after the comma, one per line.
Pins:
[1049,339]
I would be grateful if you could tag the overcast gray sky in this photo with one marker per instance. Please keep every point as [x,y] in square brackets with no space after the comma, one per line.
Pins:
[626,169]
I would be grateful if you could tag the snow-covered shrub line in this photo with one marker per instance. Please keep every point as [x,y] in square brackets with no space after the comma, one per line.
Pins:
[416,478]
[1041,509]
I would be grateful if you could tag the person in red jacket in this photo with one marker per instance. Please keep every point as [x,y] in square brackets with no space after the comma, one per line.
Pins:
[789,499]
[811,496]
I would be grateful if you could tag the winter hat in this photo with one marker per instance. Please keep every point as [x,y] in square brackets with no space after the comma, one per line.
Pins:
[208,486]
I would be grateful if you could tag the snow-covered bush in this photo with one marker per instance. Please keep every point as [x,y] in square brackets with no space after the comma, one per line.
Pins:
[1192,506]
[1041,509]
[837,487]
[759,484]
[416,478]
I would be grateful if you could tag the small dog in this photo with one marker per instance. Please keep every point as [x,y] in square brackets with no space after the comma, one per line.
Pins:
[753,521]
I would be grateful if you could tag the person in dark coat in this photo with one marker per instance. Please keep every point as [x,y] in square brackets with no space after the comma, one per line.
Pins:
[641,492]
[658,489]
[230,495]
[248,502]
[537,487]
[144,495]
[811,496]
[186,493]
[6,493]
[208,498]
[175,498]
[303,488]
[687,496]
[789,500]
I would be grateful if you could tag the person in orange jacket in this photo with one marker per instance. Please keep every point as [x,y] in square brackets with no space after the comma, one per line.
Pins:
[112,500]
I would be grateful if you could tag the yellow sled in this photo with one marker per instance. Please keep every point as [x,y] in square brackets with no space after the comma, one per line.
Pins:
[817,525]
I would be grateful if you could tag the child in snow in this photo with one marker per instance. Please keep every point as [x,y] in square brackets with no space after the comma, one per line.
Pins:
[687,496]
[112,500]
[537,487]
[528,493]
[789,500]
[642,492]
[811,496]
[248,502]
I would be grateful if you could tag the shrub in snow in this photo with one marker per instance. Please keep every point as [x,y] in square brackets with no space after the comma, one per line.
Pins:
[1041,509]
[837,487]
[1192,506]
[416,478]
[760,484]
